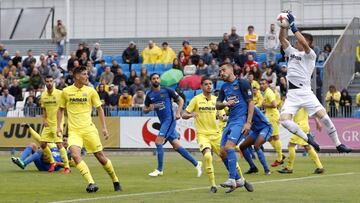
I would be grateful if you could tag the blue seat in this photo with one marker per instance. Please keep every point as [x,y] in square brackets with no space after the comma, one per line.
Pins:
[356,114]
[169,66]
[261,58]
[159,68]
[97,66]
[189,94]
[278,56]
[135,113]
[108,59]
[118,58]
[127,73]
[136,67]
[3,113]
[173,86]
[198,92]
[219,83]
[123,113]
[150,67]
[114,113]
[124,66]
[282,64]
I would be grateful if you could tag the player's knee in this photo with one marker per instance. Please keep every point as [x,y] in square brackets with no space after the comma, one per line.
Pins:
[222,153]
[307,147]
[285,123]
[33,146]
[59,145]
[207,155]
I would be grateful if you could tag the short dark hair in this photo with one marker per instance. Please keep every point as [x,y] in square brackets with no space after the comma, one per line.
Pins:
[152,75]
[267,82]
[195,49]
[206,47]
[165,43]
[48,77]
[79,70]
[204,78]
[250,26]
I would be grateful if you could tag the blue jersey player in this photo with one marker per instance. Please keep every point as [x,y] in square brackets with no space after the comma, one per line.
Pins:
[160,99]
[261,131]
[238,97]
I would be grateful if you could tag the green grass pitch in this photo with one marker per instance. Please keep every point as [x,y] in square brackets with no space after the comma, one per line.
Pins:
[340,183]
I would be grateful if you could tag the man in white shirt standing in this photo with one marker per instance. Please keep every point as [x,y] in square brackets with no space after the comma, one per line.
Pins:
[271,43]
[300,68]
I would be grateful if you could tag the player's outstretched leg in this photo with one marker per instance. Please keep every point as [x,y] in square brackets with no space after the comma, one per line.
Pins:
[184,153]
[208,159]
[247,155]
[160,161]
[109,169]
[314,156]
[289,167]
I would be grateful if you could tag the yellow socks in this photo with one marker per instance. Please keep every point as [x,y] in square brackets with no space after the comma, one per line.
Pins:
[34,134]
[239,171]
[110,170]
[209,167]
[314,156]
[64,157]
[276,144]
[85,172]
[47,152]
[292,154]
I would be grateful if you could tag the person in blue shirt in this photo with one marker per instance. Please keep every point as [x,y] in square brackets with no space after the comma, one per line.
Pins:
[159,99]
[236,94]
[261,131]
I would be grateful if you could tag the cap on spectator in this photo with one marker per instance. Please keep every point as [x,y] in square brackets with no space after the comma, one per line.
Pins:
[112,85]
[53,64]
[132,42]
[125,90]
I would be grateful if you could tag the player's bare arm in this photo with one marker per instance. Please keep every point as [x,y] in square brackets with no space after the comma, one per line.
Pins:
[180,103]
[283,34]
[59,117]
[101,114]
[273,104]
[249,119]
[44,116]
[149,108]
[187,115]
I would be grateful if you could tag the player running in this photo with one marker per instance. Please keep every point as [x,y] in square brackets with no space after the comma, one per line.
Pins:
[301,65]
[237,94]
[50,103]
[78,100]
[302,119]
[160,100]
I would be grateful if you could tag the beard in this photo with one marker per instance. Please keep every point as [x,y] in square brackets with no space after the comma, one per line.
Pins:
[155,85]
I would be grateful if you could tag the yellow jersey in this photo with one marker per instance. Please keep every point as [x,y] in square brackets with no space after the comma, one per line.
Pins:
[302,119]
[250,45]
[255,84]
[269,97]
[357,100]
[258,99]
[51,102]
[78,103]
[278,99]
[205,122]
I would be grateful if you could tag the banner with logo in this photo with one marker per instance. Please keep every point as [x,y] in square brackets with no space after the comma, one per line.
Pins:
[12,134]
[141,132]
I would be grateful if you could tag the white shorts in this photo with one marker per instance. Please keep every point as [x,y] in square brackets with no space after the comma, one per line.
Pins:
[298,98]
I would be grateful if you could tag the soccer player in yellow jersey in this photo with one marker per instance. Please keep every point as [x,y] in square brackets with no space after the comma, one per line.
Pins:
[208,132]
[302,119]
[78,100]
[257,98]
[50,101]
[277,96]
[272,113]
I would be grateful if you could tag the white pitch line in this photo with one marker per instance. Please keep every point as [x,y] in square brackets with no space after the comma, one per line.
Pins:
[197,188]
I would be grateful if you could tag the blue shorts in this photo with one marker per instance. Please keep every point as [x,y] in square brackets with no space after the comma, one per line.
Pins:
[168,130]
[232,132]
[265,132]
[42,166]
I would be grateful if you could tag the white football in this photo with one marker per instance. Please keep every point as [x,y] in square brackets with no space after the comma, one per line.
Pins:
[282,20]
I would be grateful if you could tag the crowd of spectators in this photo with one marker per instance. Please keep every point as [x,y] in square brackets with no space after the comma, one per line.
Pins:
[120,87]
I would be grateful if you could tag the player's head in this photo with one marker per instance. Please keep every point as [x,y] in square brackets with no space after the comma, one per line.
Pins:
[155,80]
[263,84]
[65,142]
[309,39]
[206,84]
[49,82]
[81,75]
[226,72]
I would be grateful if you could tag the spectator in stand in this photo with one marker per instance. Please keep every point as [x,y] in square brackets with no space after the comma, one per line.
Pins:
[23,80]
[69,80]
[7,101]
[100,69]
[114,97]
[5,59]
[234,39]
[16,91]
[137,85]
[257,97]
[332,101]
[195,57]
[187,49]
[30,107]
[213,70]
[35,79]
[17,58]
[125,100]
[176,64]
[263,66]
[132,77]
[59,36]
[237,71]
[30,68]
[206,55]
[139,99]
[2,49]
[122,86]
[202,68]
[189,69]
[151,54]
[271,43]
[27,61]
[61,85]
[324,54]
[32,93]
[283,71]
[345,103]
[250,40]
[9,80]
[50,58]
[253,83]
[44,70]
[96,54]
[131,54]
[144,77]
[91,72]
[257,73]
[119,76]
[70,63]
[9,68]
[115,66]
[108,76]
[83,59]
[250,60]
[41,61]
[240,59]
[168,54]
[106,86]
[226,48]
[82,48]
[214,50]
[283,87]
[245,72]
[104,96]
[19,68]
[269,76]
[183,61]
[357,99]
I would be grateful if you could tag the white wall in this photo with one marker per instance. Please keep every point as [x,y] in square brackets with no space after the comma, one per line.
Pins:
[174,18]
